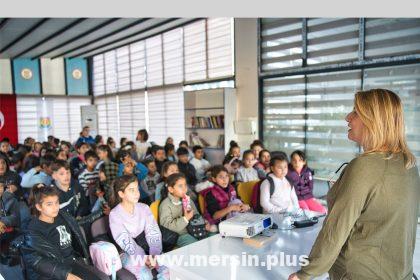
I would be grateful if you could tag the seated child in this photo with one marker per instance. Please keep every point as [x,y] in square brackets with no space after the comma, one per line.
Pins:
[284,197]
[247,172]
[127,221]
[71,196]
[77,164]
[9,219]
[218,197]
[170,152]
[152,179]
[89,177]
[301,177]
[185,167]
[54,246]
[263,164]
[172,213]
[200,164]
[168,169]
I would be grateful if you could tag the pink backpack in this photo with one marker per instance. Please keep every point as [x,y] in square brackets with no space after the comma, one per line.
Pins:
[105,257]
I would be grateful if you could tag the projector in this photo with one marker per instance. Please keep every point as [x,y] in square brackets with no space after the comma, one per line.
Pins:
[245,225]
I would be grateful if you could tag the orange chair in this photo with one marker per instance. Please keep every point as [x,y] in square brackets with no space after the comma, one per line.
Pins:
[201,203]
[245,191]
[154,207]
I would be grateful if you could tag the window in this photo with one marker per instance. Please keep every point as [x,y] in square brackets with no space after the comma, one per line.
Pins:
[137,65]
[281,43]
[332,40]
[154,64]
[195,51]
[405,81]
[63,112]
[389,37]
[123,69]
[98,75]
[220,47]
[306,109]
[111,82]
[172,55]
[166,114]
[108,118]
[132,113]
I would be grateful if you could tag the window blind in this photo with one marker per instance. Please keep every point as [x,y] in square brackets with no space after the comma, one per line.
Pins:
[111,82]
[154,64]
[137,65]
[281,43]
[392,36]
[332,40]
[123,69]
[220,47]
[195,51]
[98,75]
[173,58]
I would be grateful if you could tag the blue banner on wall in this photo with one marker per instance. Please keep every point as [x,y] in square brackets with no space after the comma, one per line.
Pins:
[77,76]
[26,76]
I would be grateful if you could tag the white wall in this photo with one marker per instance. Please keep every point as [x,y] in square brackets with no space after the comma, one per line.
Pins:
[5,76]
[53,76]
[246,66]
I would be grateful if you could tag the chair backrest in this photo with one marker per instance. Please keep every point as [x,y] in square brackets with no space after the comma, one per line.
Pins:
[201,203]
[100,226]
[154,207]
[245,191]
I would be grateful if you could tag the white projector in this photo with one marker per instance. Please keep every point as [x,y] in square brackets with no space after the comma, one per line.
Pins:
[245,225]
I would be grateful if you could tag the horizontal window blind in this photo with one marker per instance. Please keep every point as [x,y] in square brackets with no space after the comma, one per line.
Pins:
[195,51]
[27,118]
[166,114]
[132,114]
[404,81]
[98,75]
[284,113]
[332,40]
[111,82]
[173,58]
[138,65]
[330,97]
[123,69]
[220,47]
[64,114]
[281,43]
[154,64]
[108,117]
[157,119]
[392,36]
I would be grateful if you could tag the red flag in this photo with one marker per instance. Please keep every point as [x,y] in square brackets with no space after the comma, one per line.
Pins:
[8,118]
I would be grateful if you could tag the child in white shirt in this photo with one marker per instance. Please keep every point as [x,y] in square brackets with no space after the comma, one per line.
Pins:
[200,164]
[284,198]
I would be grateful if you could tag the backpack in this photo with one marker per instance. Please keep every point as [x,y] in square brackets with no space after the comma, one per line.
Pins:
[255,197]
[105,257]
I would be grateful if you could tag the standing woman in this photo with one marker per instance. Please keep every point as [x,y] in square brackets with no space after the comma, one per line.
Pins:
[370,230]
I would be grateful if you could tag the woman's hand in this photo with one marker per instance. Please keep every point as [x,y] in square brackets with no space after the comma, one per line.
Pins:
[293,276]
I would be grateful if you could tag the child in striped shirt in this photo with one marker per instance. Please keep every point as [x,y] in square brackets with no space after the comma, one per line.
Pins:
[89,177]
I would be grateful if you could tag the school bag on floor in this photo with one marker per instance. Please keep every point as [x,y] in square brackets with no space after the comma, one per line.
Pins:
[105,257]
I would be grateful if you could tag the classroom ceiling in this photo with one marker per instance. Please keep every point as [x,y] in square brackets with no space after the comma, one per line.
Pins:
[76,37]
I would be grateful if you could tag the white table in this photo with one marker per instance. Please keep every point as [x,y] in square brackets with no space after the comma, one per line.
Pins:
[291,242]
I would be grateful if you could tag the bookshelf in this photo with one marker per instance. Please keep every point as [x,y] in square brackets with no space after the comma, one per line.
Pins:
[209,118]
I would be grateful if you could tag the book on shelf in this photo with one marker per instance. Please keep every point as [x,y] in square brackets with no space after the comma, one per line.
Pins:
[221,141]
[195,139]
[216,121]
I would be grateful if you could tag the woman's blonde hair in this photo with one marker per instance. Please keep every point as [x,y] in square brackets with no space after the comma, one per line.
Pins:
[381,112]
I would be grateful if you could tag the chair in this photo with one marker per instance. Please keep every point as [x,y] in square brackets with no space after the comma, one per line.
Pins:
[154,207]
[201,203]
[245,191]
